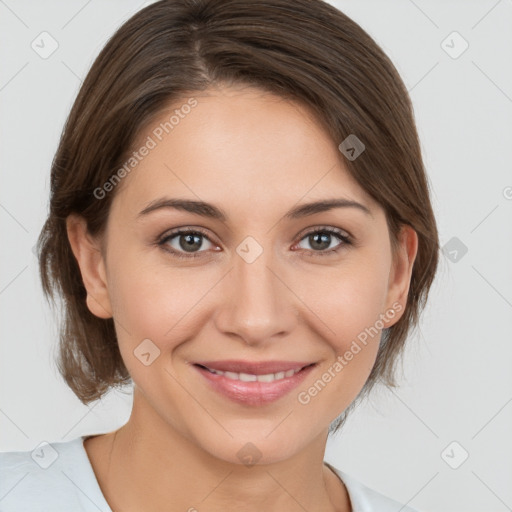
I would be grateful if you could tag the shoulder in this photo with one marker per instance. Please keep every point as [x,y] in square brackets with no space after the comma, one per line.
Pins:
[365,499]
[54,476]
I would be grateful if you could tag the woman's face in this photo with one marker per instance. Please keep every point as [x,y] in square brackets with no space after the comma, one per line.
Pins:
[263,284]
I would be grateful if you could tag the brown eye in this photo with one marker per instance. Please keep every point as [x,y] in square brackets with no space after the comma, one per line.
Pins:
[185,243]
[323,241]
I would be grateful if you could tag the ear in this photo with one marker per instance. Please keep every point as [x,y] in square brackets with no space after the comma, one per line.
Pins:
[90,259]
[400,275]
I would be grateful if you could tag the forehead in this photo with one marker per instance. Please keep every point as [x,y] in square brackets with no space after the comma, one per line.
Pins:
[242,146]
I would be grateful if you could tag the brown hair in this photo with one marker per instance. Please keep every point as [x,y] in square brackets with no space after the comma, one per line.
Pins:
[306,50]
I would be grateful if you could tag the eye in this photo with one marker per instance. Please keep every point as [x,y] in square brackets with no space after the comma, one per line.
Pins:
[321,240]
[185,243]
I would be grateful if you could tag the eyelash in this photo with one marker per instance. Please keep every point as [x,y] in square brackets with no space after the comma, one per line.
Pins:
[345,239]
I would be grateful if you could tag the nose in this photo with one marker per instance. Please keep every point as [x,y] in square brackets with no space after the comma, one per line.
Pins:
[257,303]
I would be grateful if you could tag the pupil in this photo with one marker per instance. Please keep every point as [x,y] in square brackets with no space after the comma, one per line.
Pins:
[190,241]
[321,240]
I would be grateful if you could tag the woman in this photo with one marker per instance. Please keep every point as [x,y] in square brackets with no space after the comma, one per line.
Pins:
[240,225]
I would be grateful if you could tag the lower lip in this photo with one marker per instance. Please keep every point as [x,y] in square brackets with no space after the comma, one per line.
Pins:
[254,393]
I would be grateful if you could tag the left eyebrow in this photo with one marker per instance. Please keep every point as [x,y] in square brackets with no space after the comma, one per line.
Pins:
[304,210]
[211,211]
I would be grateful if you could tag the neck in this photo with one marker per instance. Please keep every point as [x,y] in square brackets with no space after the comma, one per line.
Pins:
[149,465]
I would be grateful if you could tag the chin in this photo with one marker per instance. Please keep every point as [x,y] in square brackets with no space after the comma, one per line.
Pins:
[258,442]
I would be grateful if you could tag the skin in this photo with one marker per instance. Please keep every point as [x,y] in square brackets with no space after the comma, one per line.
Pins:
[255,155]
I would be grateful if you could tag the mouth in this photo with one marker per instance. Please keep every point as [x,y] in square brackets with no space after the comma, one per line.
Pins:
[254,383]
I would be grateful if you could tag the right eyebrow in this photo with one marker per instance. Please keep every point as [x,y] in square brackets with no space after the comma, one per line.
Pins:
[187,205]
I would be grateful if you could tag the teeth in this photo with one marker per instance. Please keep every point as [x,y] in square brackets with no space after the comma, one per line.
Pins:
[248,377]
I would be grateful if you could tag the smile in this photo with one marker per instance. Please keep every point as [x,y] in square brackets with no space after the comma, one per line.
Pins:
[258,385]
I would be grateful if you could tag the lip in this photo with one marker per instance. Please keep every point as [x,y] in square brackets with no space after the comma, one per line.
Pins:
[253,393]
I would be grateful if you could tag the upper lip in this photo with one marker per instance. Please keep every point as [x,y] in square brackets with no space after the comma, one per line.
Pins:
[253,368]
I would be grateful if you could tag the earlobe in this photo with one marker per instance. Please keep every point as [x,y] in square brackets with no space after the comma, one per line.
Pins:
[400,276]
[92,266]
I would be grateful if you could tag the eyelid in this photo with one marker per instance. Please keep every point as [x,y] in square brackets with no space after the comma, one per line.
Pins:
[331,229]
[185,229]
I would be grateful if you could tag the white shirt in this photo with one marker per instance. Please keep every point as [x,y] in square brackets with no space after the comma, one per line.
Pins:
[58,477]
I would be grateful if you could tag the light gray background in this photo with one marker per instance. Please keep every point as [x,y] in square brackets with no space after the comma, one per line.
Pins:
[457,382]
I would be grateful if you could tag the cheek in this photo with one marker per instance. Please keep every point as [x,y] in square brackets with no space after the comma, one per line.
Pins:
[357,306]
[349,298]
[351,303]
[153,315]
[155,301]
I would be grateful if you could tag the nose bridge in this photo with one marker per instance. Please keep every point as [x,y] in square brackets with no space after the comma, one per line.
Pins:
[256,304]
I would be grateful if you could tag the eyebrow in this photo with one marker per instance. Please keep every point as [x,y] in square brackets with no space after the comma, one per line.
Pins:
[210,211]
